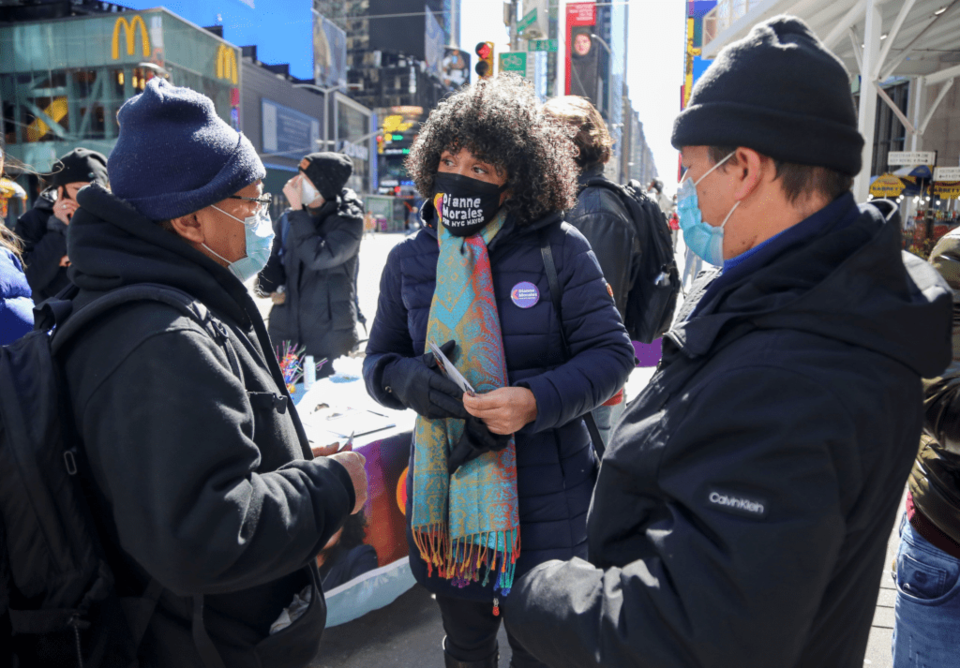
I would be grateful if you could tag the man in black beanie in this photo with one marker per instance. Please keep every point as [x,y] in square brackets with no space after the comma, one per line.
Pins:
[211,503]
[312,272]
[743,507]
[44,227]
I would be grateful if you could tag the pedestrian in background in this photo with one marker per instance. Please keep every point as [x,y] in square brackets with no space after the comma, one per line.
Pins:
[928,561]
[500,481]
[16,302]
[202,474]
[312,272]
[602,217]
[743,508]
[44,227]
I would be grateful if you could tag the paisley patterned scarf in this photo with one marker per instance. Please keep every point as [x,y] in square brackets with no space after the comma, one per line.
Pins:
[466,525]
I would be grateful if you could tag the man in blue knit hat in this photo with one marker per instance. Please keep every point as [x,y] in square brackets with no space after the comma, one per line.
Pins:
[744,504]
[212,506]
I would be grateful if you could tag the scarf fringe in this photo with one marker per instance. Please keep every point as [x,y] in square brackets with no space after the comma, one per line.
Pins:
[463,560]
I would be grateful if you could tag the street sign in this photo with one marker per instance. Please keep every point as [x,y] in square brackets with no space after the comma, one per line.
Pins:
[946,174]
[514,61]
[528,20]
[902,158]
[542,45]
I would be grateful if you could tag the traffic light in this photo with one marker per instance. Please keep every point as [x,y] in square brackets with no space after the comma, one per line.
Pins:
[380,144]
[484,67]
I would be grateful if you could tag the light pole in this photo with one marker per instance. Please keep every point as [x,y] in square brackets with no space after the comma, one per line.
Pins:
[326,106]
[609,68]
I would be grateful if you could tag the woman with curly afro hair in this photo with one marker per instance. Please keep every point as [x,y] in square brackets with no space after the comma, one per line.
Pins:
[466,334]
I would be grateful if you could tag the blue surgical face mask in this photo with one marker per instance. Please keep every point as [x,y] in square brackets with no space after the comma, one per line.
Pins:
[703,239]
[259,241]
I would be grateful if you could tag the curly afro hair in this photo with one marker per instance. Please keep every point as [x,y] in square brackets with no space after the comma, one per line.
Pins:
[500,121]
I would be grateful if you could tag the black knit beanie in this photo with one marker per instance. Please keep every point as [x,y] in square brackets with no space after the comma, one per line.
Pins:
[81,165]
[175,155]
[780,92]
[328,172]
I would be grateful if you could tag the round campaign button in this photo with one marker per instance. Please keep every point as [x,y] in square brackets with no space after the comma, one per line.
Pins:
[525,294]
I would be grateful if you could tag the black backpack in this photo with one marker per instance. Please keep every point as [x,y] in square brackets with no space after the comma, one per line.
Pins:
[656,282]
[58,604]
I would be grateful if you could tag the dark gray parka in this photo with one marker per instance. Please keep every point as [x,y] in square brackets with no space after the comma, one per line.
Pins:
[314,257]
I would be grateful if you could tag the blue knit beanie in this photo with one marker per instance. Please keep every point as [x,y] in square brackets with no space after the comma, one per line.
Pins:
[175,156]
[780,92]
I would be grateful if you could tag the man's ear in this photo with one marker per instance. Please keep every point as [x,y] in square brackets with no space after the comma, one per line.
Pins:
[750,169]
[189,228]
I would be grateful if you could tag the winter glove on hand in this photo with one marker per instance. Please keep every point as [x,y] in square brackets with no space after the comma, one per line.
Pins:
[476,440]
[419,384]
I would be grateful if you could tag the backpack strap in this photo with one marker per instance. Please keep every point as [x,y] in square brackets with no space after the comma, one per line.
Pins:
[164,294]
[553,282]
[139,611]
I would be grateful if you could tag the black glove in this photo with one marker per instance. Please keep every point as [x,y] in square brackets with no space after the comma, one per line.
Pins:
[476,440]
[419,384]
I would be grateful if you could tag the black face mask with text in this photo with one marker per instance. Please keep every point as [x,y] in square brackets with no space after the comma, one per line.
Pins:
[465,205]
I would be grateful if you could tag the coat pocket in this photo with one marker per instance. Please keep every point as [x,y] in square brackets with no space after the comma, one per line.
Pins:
[299,643]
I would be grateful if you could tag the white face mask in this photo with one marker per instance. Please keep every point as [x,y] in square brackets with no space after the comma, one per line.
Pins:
[309,194]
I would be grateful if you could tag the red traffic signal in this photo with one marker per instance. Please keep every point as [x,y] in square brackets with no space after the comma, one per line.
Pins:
[484,51]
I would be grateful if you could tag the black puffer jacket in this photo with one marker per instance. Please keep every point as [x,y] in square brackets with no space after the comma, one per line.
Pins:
[604,220]
[743,507]
[935,478]
[202,475]
[44,245]
[315,259]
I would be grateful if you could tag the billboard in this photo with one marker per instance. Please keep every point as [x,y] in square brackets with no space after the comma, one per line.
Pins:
[455,68]
[694,64]
[287,131]
[329,53]
[582,52]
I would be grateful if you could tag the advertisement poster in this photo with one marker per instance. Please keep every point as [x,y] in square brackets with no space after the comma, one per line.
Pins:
[434,39]
[583,54]
[366,567]
[456,69]
[329,53]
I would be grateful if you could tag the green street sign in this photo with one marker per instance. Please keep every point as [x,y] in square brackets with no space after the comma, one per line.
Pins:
[514,61]
[542,45]
[527,21]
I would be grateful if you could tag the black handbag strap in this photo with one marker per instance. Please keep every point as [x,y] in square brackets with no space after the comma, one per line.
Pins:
[553,283]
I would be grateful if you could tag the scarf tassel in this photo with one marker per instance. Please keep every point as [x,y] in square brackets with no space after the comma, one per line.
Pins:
[463,561]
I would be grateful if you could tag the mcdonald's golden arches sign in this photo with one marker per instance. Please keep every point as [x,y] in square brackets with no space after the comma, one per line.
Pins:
[227,64]
[130,32]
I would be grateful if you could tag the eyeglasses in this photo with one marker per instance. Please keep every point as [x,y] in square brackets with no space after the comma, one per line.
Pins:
[264,201]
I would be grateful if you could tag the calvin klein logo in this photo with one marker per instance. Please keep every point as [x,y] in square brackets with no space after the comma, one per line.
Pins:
[737,504]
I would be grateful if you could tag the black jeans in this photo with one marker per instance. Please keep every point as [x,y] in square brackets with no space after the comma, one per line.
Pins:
[472,628]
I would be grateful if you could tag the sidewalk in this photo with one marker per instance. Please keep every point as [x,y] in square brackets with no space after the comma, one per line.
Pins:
[408,632]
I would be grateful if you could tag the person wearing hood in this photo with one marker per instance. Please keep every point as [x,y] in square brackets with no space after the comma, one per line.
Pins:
[744,505]
[202,475]
[44,227]
[311,274]
[501,471]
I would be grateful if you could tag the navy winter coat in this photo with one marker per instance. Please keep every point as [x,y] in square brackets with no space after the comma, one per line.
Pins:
[16,305]
[556,467]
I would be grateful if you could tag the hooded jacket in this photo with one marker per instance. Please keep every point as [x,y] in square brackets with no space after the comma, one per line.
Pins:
[44,245]
[315,258]
[201,474]
[744,505]
[556,467]
[935,478]
[604,220]
[16,305]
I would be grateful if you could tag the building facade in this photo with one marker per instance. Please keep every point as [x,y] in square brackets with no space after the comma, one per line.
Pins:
[62,81]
